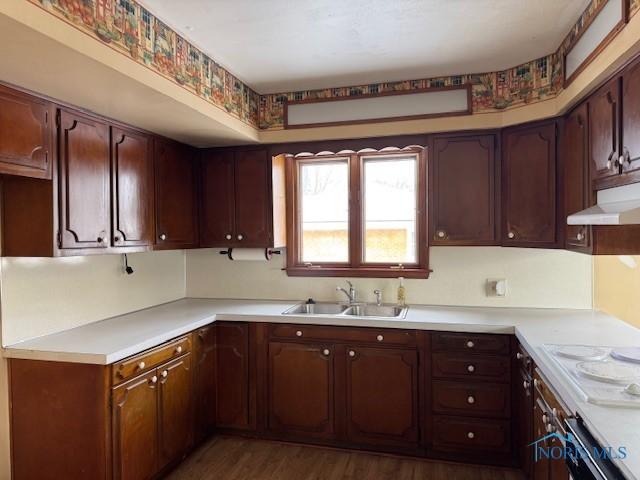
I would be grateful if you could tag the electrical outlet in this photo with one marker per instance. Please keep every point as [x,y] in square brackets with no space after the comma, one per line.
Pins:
[496,287]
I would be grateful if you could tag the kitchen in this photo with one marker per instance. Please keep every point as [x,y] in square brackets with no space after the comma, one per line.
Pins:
[367,267]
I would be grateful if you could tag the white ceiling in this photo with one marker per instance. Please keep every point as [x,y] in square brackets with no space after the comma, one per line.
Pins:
[285,45]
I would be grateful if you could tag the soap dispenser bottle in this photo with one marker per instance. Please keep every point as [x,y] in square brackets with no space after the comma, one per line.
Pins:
[402,299]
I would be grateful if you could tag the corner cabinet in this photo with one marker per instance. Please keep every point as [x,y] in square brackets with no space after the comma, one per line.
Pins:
[25,134]
[464,195]
[529,205]
[242,199]
[604,133]
[176,195]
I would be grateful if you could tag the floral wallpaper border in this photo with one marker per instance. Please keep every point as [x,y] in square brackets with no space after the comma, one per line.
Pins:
[129,28]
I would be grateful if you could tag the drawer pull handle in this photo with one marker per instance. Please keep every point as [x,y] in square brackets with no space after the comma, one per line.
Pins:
[470,344]
[519,356]
[141,365]
[471,435]
[326,352]
[154,379]
[380,338]
[511,235]
[471,369]
[536,383]
[179,349]
[164,374]
[526,384]
[298,333]
[352,353]
[471,400]
[228,236]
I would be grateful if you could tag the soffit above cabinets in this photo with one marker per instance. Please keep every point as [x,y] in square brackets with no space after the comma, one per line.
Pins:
[284,46]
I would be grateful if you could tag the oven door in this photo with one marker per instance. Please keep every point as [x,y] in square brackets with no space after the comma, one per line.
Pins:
[580,458]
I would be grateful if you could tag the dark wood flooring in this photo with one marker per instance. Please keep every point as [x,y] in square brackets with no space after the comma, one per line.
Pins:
[234,458]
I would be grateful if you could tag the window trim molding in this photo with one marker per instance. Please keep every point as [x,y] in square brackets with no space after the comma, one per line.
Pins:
[356,267]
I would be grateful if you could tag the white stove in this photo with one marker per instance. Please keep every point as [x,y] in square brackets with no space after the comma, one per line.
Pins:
[606,376]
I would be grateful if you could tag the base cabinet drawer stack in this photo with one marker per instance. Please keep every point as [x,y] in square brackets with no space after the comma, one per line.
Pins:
[470,398]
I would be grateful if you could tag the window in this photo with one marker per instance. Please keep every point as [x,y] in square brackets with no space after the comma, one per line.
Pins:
[358,214]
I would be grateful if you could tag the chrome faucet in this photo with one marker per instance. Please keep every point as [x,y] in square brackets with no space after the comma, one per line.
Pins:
[378,294]
[351,294]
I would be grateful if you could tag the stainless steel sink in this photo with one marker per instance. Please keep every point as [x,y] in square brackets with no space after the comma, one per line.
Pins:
[380,311]
[340,310]
[316,309]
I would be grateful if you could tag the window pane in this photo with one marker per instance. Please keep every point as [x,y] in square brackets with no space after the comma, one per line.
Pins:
[324,211]
[390,210]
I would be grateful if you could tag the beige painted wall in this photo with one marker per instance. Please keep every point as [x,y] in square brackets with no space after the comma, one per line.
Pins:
[616,282]
[536,278]
[41,296]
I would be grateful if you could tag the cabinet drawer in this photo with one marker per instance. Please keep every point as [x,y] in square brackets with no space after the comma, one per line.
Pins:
[471,434]
[481,367]
[379,336]
[471,343]
[473,399]
[142,362]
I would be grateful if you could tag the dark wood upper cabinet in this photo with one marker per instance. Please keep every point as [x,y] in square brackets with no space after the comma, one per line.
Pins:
[85,217]
[217,205]
[577,184]
[176,195]
[630,135]
[132,188]
[175,410]
[242,201]
[135,428]
[463,190]
[25,134]
[529,207]
[382,396]
[301,389]
[232,371]
[604,111]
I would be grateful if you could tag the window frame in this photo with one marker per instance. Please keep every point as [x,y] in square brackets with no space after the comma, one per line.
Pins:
[356,267]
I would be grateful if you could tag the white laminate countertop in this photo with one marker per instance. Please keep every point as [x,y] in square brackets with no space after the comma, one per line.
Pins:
[113,339]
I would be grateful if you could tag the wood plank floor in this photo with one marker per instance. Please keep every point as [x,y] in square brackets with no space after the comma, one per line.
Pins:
[234,458]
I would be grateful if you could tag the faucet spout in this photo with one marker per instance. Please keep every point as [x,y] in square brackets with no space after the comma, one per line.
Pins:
[351,294]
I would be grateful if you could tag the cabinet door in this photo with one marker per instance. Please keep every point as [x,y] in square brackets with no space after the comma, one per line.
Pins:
[529,186]
[301,389]
[25,134]
[253,199]
[176,198]
[382,396]
[631,119]
[577,185]
[464,194]
[205,381]
[232,372]
[132,188]
[135,428]
[175,409]
[85,218]
[217,214]
[603,132]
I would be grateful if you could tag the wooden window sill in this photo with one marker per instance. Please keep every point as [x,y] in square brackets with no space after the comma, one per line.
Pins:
[361,272]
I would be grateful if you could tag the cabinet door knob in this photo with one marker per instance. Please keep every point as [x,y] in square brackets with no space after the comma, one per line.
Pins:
[298,333]
[141,365]
[352,353]
[470,344]
[116,239]
[519,356]
[179,349]
[471,400]
[164,374]
[471,369]
[380,338]
[240,237]
[526,384]
[163,236]
[471,435]
[580,236]
[326,352]
[154,379]
[100,240]
[228,236]
[511,235]
[441,234]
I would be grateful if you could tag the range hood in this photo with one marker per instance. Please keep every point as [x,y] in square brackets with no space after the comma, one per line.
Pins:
[616,206]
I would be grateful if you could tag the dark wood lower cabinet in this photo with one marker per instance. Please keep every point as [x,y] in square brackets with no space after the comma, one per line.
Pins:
[204,345]
[382,396]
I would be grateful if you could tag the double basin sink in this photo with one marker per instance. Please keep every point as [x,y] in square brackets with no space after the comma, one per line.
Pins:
[342,310]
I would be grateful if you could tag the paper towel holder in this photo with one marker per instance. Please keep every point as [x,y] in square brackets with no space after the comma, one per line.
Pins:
[267,253]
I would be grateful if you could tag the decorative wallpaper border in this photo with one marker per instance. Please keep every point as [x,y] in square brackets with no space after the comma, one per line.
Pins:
[129,28]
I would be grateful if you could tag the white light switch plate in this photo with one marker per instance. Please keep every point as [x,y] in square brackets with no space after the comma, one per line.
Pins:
[496,287]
